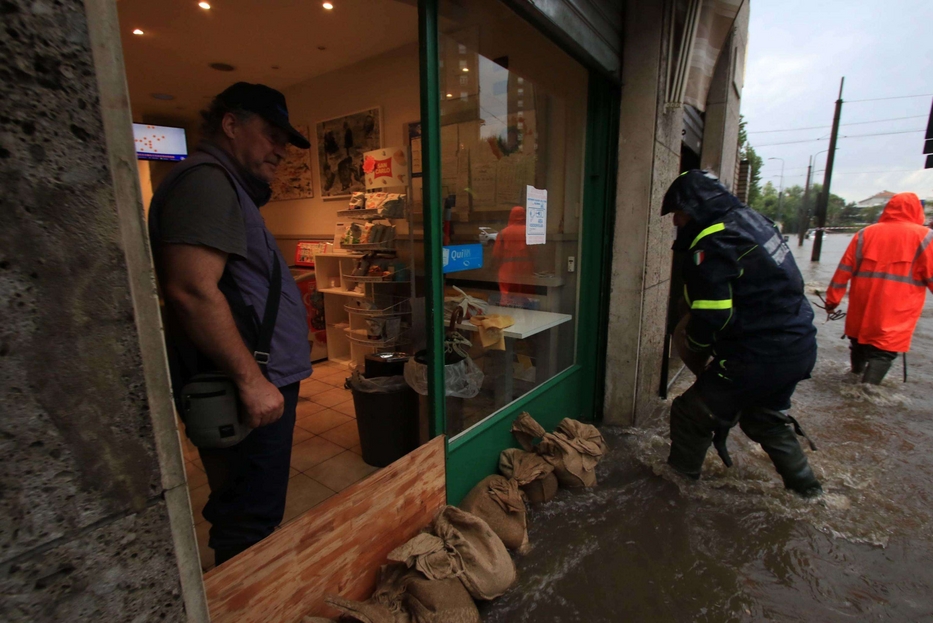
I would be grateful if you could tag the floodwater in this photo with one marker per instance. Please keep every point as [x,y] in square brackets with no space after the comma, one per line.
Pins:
[646,545]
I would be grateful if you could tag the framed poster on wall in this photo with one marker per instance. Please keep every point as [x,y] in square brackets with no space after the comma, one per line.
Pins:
[342,141]
[294,180]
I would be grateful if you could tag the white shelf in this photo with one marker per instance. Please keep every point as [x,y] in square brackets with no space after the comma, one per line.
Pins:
[342,292]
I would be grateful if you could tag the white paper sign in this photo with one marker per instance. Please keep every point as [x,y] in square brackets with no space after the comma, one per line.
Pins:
[535,216]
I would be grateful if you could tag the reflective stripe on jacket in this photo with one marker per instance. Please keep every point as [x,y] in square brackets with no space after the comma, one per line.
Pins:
[890,265]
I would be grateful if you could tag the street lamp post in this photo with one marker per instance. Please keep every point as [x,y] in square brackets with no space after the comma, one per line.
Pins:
[781,191]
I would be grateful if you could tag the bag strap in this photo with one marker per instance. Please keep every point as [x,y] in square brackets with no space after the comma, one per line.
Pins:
[264,342]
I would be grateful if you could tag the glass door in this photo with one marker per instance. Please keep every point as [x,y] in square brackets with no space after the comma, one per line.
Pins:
[509,122]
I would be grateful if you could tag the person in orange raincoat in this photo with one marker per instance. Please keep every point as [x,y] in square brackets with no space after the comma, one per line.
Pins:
[515,265]
[890,265]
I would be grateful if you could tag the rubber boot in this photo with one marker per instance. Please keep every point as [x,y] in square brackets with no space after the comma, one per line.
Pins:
[857,357]
[691,434]
[875,371]
[771,429]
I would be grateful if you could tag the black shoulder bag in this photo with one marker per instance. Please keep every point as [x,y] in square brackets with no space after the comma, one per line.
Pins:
[211,409]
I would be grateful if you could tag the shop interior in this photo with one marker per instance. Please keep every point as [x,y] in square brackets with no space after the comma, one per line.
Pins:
[347,214]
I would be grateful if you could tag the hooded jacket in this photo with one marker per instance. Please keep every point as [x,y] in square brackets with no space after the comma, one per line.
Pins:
[891,267]
[515,265]
[745,293]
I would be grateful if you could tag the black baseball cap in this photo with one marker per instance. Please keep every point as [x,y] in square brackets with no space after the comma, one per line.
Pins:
[265,102]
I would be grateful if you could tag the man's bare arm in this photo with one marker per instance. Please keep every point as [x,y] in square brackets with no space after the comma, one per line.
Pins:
[190,277]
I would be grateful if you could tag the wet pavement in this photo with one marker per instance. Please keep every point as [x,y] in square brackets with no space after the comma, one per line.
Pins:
[645,545]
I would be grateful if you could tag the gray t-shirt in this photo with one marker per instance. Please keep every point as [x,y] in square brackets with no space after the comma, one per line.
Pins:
[202,208]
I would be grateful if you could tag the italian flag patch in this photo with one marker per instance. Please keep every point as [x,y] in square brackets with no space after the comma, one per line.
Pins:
[698,257]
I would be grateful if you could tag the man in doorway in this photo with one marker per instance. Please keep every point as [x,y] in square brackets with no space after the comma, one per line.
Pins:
[749,313]
[215,261]
[890,264]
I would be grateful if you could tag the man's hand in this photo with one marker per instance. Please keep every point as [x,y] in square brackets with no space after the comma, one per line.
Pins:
[263,402]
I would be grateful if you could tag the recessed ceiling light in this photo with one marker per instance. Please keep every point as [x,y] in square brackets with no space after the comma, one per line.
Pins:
[165,97]
[466,69]
[328,6]
[450,95]
[204,5]
[222,67]
[138,32]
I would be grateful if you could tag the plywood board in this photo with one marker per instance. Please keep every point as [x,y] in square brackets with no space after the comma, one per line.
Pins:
[336,547]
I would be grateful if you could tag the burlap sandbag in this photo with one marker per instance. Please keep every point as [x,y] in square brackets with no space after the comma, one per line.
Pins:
[464,546]
[574,450]
[361,611]
[386,604]
[526,430]
[535,475]
[440,601]
[497,500]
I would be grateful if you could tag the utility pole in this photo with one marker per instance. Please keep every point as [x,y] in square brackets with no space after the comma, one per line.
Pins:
[803,220]
[823,204]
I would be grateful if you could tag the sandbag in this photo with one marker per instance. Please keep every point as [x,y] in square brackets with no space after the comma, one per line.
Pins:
[526,430]
[464,546]
[535,476]
[440,601]
[498,501]
[361,611]
[541,490]
[386,604]
[574,450]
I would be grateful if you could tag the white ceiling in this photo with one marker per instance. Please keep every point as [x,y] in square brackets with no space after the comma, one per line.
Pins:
[181,40]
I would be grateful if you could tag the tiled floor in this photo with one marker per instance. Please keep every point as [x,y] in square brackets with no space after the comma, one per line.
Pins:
[325,452]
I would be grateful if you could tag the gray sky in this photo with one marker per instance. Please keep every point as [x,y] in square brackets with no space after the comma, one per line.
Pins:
[797,52]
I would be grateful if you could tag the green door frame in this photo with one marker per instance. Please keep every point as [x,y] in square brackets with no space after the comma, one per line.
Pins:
[575,392]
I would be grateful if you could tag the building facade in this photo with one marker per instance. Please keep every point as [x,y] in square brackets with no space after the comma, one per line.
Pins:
[97,522]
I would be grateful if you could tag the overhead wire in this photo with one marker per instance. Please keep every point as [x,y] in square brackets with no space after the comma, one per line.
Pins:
[823,127]
[816,140]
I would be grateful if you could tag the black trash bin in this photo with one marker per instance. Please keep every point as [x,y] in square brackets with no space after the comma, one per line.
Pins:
[386,417]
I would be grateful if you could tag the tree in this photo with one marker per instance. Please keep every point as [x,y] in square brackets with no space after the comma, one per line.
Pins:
[755,162]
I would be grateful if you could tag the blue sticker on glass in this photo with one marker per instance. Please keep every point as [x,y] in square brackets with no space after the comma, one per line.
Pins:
[462,257]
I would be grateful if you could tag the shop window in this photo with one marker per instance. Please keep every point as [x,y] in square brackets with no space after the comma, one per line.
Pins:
[516,132]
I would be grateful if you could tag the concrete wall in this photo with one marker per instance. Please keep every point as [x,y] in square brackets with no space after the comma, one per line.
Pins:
[649,157]
[93,505]
[721,131]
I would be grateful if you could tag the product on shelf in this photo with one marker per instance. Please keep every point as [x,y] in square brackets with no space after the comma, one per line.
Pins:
[357,201]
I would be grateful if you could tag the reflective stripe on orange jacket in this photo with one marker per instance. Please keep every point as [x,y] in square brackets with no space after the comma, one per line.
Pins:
[891,266]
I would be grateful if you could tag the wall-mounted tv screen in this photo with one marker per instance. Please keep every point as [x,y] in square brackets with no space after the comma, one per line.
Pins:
[158,142]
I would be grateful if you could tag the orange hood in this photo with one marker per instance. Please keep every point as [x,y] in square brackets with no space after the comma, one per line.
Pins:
[903,207]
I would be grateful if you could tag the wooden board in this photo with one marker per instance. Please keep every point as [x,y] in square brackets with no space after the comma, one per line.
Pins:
[336,547]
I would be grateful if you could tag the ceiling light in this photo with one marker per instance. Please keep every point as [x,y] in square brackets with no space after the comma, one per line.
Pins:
[328,6]
[204,5]
[450,95]
[466,69]
[138,32]
[222,67]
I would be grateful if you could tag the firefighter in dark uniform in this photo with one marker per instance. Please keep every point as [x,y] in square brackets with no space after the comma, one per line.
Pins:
[749,314]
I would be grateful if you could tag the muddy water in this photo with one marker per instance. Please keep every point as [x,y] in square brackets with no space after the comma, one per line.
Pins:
[648,546]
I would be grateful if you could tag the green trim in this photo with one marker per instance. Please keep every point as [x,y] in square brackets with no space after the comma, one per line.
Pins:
[578,391]
[746,253]
[712,229]
[721,304]
[518,406]
[697,343]
[433,211]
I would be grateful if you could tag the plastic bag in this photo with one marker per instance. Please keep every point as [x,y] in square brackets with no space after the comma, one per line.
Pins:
[376,385]
[462,379]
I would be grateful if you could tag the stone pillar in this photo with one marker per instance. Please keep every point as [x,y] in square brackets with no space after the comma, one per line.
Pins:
[95,522]
[721,129]
[649,159]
